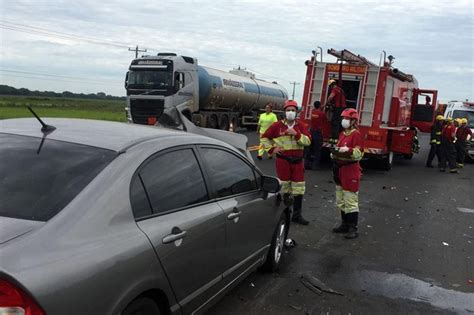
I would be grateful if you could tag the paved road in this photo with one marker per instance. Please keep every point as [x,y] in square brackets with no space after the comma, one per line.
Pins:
[415,252]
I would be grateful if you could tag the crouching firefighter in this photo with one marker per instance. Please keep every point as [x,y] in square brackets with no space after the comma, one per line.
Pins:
[347,172]
[287,139]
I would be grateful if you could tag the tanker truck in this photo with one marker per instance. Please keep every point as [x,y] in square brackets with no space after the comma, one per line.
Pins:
[208,97]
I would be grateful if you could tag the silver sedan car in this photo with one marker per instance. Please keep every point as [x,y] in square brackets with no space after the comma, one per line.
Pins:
[110,218]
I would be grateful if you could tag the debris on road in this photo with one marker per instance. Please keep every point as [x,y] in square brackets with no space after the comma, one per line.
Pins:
[290,243]
[445,244]
[470,281]
[295,307]
[406,198]
[316,285]
[252,285]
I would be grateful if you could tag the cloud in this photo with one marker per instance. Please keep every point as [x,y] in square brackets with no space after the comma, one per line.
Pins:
[274,38]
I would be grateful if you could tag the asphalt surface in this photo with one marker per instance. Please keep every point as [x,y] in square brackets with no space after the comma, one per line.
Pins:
[414,254]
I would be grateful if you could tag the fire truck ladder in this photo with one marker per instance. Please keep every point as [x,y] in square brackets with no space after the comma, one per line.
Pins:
[372,77]
[317,84]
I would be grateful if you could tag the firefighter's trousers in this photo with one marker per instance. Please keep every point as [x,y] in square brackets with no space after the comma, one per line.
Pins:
[434,151]
[347,179]
[291,176]
[448,154]
[461,149]
[336,122]
[262,148]
[312,158]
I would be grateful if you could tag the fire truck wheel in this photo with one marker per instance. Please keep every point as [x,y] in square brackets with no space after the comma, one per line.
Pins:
[387,162]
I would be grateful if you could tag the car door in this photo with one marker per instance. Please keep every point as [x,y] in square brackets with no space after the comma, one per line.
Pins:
[250,216]
[187,229]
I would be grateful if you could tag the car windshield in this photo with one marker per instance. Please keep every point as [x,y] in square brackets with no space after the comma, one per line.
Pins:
[38,181]
[150,79]
[465,114]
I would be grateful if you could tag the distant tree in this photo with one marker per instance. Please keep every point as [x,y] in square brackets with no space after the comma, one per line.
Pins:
[9,90]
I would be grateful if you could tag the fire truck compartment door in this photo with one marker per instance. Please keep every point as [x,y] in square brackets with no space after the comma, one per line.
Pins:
[423,109]
[402,141]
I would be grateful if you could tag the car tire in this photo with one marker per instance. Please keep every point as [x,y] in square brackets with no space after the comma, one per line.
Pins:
[142,306]
[277,247]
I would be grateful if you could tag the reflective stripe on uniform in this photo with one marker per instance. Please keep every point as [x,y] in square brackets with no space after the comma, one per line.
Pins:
[339,198]
[304,140]
[298,188]
[285,187]
[351,201]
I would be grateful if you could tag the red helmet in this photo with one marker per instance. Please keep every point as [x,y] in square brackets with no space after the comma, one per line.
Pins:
[290,103]
[350,113]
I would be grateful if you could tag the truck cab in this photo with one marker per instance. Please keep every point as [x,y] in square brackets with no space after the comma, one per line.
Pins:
[157,83]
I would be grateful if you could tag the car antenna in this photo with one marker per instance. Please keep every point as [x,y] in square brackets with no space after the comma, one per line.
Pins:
[46,128]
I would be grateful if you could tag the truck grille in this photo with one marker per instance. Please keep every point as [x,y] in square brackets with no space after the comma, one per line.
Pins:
[144,111]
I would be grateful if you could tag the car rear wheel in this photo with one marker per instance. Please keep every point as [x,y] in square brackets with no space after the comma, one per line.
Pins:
[277,248]
[142,306]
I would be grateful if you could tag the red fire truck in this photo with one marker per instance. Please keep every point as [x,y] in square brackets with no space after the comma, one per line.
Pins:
[392,108]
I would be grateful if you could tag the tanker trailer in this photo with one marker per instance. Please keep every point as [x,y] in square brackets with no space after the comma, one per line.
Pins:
[208,97]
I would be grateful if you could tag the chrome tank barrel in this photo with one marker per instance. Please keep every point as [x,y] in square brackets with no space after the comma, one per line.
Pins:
[223,90]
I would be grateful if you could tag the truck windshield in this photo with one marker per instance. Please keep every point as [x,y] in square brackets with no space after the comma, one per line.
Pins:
[465,114]
[150,79]
[38,184]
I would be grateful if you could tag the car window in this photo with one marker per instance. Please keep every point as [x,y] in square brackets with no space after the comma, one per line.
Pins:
[229,174]
[174,180]
[140,204]
[37,180]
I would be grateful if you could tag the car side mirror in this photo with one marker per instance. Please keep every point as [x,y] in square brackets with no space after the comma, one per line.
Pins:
[270,184]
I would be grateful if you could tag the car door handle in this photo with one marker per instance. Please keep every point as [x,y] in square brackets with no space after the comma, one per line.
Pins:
[235,214]
[173,237]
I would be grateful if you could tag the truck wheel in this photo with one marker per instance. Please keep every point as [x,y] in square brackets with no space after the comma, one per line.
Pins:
[234,124]
[224,122]
[387,162]
[213,122]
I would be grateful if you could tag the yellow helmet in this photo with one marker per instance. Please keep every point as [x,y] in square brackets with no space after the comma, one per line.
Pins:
[439,117]
[331,81]
[464,121]
[458,120]
[449,119]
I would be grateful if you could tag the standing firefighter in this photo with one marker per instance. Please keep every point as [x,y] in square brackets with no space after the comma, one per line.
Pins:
[336,103]
[435,141]
[288,139]
[264,121]
[347,172]
[448,150]
[463,135]
[313,153]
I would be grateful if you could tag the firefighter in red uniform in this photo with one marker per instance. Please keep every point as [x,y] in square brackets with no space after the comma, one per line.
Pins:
[347,173]
[463,136]
[287,139]
[312,158]
[336,102]
[448,150]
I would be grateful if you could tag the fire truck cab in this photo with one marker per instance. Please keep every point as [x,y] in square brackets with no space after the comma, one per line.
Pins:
[392,108]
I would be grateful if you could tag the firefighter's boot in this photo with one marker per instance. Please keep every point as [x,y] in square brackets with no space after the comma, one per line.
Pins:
[287,199]
[352,219]
[297,208]
[343,227]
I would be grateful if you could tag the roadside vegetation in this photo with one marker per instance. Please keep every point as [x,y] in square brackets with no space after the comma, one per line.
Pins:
[102,109]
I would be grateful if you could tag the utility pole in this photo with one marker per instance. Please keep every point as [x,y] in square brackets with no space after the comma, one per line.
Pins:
[294,84]
[136,50]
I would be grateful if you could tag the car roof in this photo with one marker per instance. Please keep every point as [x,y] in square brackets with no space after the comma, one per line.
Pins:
[98,133]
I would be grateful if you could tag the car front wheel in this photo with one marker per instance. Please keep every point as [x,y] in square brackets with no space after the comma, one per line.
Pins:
[277,248]
[142,306]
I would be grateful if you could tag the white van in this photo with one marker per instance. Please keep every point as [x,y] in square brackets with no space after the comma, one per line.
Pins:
[457,109]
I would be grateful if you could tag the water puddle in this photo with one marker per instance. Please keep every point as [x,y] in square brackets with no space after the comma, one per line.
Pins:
[402,286]
[466,210]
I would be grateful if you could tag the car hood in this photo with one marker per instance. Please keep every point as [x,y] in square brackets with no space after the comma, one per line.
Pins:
[11,228]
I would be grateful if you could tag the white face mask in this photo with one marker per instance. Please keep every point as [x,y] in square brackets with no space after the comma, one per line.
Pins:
[346,123]
[290,116]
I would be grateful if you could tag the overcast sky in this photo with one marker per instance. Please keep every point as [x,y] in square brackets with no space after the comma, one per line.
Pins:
[82,46]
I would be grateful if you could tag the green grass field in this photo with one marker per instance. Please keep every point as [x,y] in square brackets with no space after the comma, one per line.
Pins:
[15,107]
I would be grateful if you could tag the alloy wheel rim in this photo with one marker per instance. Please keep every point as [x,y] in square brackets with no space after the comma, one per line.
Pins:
[280,241]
